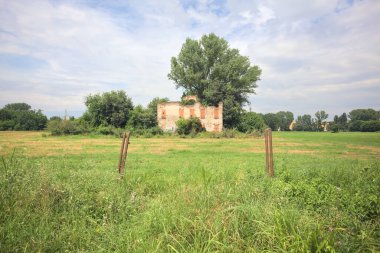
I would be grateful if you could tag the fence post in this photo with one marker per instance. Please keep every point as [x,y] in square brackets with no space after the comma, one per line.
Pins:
[271,172]
[125,151]
[121,153]
[268,152]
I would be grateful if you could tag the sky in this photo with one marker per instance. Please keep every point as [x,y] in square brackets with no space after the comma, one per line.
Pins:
[314,55]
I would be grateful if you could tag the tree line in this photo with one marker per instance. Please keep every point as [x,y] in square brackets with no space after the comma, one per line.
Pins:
[113,112]
[358,120]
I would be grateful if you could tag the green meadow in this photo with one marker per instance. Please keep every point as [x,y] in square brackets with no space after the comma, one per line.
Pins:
[63,194]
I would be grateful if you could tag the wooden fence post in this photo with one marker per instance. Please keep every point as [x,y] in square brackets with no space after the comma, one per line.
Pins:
[123,153]
[271,171]
[266,152]
[269,152]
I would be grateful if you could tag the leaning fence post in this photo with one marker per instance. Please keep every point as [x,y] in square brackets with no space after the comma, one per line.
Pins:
[125,151]
[121,153]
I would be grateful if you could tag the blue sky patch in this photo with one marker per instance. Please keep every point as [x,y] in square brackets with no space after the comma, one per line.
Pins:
[21,62]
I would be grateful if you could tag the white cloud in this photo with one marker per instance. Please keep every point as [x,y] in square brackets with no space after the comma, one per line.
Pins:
[304,48]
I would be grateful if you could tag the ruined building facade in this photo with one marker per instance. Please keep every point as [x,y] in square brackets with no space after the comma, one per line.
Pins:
[169,112]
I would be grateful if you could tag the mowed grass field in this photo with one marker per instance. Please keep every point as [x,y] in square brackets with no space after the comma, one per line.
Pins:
[190,194]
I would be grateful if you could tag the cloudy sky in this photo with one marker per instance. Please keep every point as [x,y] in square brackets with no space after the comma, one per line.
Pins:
[315,55]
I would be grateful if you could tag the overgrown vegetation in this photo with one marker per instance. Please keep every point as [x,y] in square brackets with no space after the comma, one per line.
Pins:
[251,122]
[57,126]
[197,196]
[20,116]
[189,126]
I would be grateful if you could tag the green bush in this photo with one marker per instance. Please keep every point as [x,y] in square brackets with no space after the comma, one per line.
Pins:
[251,122]
[230,133]
[147,133]
[370,126]
[364,126]
[7,125]
[105,130]
[355,126]
[334,128]
[189,126]
[66,127]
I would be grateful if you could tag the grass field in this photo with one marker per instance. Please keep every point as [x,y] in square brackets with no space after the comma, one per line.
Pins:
[190,195]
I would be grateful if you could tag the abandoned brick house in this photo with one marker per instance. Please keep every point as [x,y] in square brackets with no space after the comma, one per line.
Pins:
[169,112]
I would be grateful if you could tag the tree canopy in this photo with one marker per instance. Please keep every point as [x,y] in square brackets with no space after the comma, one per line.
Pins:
[271,120]
[364,114]
[215,73]
[305,123]
[20,116]
[320,116]
[250,122]
[285,119]
[108,109]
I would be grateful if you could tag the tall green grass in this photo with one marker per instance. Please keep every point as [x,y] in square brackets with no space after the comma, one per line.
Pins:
[189,201]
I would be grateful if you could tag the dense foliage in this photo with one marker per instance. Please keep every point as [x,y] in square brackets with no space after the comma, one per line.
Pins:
[271,120]
[284,120]
[251,122]
[320,116]
[305,123]
[364,126]
[20,116]
[141,118]
[58,126]
[189,126]
[364,115]
[108,109]
[340,123]
[280,120]
[215,73]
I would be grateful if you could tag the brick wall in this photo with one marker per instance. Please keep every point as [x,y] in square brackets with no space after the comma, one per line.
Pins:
[211,116]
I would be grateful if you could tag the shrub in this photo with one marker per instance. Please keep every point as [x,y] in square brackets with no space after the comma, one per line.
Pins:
[250,122]
[355,126]
[105,130]
[334,128]
[364,126]
[147,133]
[187,126]
[7,125]
[370,126]
[66,127]
[230,133]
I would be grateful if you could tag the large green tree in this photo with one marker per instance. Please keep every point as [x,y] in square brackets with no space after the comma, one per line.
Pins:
[144,118]
[320,117]
[20,116]
[271,120]
[364,114]
[285,119]
[108,109]
[250,122]
[304,123]
[141,118]
[215,73]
